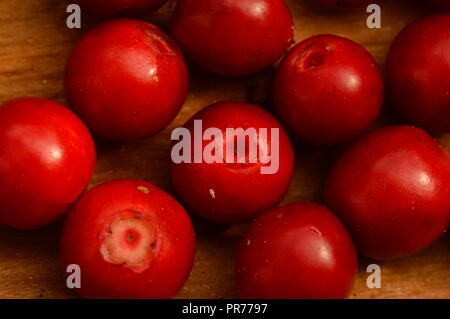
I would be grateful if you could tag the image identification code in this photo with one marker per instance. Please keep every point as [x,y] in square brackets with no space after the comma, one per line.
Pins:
[230,308]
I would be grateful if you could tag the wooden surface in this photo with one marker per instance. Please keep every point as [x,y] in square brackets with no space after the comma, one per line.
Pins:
[34,44]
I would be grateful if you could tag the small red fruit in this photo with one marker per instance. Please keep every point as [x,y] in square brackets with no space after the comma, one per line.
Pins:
[108,8]
[126,79]
[418,68]
[328,90]
[346,4]
[392,190]
[232,193]
[130,240]
[297,251]
[47,156]
[233,38]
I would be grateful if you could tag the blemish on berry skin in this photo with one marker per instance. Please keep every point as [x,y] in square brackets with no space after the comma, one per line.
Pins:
[144,189]
[315,230]
[160,43]
[212,193]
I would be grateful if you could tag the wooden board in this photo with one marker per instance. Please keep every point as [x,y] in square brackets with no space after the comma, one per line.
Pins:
[34,44]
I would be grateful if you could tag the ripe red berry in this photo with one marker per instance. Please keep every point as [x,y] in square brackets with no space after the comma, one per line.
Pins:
[392,190]
[233,38]
[47,156]
[130,240]
[108,8]
[346,4]
[232,193]
[418,69]
[126,79]
[297,251]
[328,90]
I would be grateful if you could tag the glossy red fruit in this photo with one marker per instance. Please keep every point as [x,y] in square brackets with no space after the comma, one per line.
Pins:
[126,79]
[47,156]
[441,4]
[233,38]
[232,193]
[108,8]
[328,90]
[297,251]
[392,190]
[130,240]
[418,69]
[346,4]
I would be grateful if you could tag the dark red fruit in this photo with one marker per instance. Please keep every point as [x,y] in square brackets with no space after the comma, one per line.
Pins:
[418,69]
[47,156]
[328,90]
[108,8]
[231,37]
[130,240]
[126,79]
[297,251]
[392,190]
[232,193]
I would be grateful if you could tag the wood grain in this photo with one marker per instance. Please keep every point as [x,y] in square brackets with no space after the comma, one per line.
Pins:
[34,44]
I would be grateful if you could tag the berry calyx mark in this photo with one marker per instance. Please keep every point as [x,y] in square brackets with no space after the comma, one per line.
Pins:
[130,242]
[311,59]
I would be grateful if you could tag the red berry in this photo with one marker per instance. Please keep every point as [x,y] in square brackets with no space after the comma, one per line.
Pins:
[392,190]
[130,240]
[232,193]
[231,37]
[418,69]
[126,79]
[328,90]
[47,156]
[346,4]
[297,251]
[108,8]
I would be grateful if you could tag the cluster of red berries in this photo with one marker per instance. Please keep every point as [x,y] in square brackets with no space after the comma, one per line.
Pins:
[127,80]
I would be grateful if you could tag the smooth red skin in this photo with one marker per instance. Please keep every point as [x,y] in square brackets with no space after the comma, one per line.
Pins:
[315,92]
[346,4]
[418,68]
[391,189]
[241,191]
[441,4]
[108,80]
[80,242]
[37,186]
[233,38]
[108,8]
[281,255]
